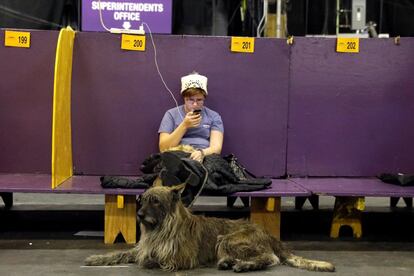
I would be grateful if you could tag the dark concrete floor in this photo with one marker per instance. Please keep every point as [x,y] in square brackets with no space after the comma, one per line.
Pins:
[53,235]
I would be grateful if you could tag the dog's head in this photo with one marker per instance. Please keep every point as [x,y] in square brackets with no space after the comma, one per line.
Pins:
[157,203]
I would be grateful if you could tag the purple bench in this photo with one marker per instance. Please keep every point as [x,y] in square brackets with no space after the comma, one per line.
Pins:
[350,196]
[266,204]
[40,183]
[120,204]
[356,187]
[121,218]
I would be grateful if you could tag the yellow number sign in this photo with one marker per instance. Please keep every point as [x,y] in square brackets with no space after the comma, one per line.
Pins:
[347,45]
[242,44]
[17,39]
[133,42]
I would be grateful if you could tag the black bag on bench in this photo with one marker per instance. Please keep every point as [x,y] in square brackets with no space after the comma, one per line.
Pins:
[215,176]
[398,179]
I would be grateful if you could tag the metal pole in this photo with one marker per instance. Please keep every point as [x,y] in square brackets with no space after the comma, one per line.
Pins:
[306,17]
[337,16]
[279,19]
[263,21]
[380,17]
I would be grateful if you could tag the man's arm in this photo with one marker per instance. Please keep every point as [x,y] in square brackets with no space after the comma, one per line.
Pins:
[169,140]
[216,143]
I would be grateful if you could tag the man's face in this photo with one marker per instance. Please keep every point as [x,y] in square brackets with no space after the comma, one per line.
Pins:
[194,102]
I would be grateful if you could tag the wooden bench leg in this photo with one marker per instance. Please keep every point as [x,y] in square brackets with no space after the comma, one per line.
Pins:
[266,212]
[355,224]
[348,211]
[7,199]
[120,217]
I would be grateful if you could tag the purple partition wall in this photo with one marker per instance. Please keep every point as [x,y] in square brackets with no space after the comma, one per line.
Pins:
[26,98]
[351,114]
[119,99]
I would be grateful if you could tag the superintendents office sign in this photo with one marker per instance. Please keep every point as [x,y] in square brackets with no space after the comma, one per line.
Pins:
[127,14]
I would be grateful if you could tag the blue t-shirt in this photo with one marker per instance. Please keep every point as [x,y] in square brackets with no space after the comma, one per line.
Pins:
[198,137]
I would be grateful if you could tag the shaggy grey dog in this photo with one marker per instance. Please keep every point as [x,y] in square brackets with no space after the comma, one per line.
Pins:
[172,238]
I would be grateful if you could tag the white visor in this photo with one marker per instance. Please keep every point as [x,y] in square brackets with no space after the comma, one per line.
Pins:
[194,80]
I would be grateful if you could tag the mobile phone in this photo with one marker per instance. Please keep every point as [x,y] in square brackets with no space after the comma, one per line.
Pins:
[196,111]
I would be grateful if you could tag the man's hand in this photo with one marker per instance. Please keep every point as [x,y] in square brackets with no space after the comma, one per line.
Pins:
[197,155]
[192,120]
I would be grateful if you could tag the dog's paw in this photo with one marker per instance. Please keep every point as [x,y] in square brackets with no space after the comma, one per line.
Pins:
[243,266]
[223,266]
[93,260]
[149,264]
[225,263]
[239,268]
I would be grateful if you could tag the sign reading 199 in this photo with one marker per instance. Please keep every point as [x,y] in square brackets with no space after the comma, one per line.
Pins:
[17,39]
[23,39]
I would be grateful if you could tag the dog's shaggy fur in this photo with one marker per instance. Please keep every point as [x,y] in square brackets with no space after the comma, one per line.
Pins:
[172,238]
